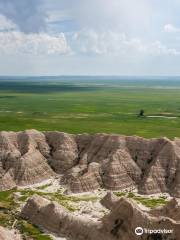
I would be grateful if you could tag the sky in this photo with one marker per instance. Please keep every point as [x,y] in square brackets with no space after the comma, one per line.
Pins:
[89,37]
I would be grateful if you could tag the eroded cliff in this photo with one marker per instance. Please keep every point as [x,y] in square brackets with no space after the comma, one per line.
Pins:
[88,162]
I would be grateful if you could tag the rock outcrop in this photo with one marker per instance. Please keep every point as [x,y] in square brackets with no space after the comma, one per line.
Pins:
[109,201]
[23,159]
[6,234]
[171,210]
[64,151]
[55,218]
[119,224]
[88,162]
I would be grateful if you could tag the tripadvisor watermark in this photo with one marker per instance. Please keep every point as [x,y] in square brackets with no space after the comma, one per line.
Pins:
[140,231]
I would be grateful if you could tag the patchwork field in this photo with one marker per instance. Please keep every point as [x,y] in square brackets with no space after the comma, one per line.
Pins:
[91,105]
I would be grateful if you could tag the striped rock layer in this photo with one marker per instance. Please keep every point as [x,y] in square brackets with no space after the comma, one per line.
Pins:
[88,162]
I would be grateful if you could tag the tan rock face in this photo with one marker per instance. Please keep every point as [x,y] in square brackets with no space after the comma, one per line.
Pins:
[171,210]
[119,224]
[126,216]
[6,234]
[23,159]
[64,151]
[56,218]
[109,201]
[89,162]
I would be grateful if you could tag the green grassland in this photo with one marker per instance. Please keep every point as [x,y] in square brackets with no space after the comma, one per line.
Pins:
[109,106]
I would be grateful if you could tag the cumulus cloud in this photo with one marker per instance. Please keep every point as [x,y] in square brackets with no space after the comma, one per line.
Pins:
[28,15]
[15,42]
[6,24]
[23,30]
[117,44]
[171,28]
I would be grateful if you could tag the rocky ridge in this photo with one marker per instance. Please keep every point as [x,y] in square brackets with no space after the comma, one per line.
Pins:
[87,162]
[6,234]
[120,224]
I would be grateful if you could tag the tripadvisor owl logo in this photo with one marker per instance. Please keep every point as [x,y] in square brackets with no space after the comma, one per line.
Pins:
[139,231]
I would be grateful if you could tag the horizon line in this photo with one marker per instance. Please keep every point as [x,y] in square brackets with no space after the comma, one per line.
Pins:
[85,75]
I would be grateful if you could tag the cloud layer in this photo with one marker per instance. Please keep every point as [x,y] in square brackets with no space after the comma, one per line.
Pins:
[117,44]
[28,15]
[23,30]
[93,35]
[15,42]
[6,24]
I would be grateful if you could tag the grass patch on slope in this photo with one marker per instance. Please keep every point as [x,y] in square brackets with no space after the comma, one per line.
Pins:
[62,199]
[7,199]
[146,201]
[9,217]
[28,229]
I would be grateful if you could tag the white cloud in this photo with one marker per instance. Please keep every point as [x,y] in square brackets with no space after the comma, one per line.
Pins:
[160,49]
[117,44]
[93,42]
[6,24]
[169,28]
[14,42]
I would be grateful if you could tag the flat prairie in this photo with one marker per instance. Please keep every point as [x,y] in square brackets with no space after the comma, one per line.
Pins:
[92,105]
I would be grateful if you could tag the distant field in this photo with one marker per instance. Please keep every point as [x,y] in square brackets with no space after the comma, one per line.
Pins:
[91,105]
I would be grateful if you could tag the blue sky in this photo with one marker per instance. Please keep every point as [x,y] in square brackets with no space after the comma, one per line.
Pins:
[89,37]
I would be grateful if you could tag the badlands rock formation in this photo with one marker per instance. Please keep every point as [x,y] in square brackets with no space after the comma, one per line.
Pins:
[109,201]
[171,210]
[56,219]
[119,224]
[87,162]
[6,234]
[23,158]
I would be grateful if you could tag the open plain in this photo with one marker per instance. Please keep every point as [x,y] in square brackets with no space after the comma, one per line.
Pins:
[92,105]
